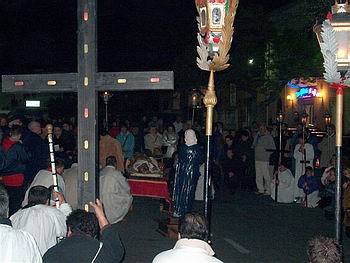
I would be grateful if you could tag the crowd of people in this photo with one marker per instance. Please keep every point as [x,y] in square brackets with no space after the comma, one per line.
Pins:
[302,169]
[248,159]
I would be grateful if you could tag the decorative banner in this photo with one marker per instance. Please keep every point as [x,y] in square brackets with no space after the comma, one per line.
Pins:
[329,49]
[215,25]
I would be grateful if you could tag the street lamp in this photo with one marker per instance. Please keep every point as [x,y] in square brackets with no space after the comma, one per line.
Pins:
[215,24]
[339,20]
[279,118]
[106,98]
[304,118]
[196,101]
[334,39]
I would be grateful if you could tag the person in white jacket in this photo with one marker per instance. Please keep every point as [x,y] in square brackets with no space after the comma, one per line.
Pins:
[45,223]
[44,177]
[192,246]
[299,151]
[114,191]
[285,184]
[70,177]
[15,245]
[170,139]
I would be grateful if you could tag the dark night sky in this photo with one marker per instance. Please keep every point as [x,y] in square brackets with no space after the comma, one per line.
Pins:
[40,35]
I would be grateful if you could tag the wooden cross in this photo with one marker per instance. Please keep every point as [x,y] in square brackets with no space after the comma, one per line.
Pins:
[280,153]
[87,82]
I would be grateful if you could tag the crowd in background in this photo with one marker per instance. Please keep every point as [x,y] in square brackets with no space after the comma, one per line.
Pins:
[246,159]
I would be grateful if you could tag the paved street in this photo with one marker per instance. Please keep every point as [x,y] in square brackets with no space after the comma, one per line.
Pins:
[247,229]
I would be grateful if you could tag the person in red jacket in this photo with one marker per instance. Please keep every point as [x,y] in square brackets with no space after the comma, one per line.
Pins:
[13,175]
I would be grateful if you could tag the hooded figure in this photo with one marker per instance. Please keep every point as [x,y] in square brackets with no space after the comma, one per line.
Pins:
[187,174]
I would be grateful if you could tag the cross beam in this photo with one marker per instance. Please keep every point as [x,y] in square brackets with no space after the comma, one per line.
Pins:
[105,81]
[87,82]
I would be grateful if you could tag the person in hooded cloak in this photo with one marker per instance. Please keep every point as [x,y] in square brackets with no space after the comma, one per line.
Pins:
[187,174]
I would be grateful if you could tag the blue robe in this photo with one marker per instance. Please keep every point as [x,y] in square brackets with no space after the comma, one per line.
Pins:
[186,177]
[312,184]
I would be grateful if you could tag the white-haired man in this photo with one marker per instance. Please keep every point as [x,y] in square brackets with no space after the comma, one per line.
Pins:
[115,191]
[39,149]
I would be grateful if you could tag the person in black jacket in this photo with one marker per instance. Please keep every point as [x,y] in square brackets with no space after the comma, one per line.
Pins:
[64,144]
[233,170]
[82,245]
[63,141]
[39,149]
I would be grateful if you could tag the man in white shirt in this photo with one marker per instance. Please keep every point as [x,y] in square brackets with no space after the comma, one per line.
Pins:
[153,141]
[16,245]
[285,184]
[114,191]
[191,246]
[44,178]
[45,223]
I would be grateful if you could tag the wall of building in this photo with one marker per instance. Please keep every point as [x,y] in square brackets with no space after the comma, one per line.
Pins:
[315,106]
[234,108]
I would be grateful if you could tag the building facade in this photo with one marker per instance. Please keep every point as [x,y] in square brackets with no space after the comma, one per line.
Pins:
[316,98]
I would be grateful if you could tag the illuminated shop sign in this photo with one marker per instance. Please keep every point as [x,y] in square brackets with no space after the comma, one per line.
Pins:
[296,84]
[308,92]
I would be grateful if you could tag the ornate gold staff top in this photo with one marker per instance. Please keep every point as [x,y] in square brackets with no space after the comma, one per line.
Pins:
[215,24]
